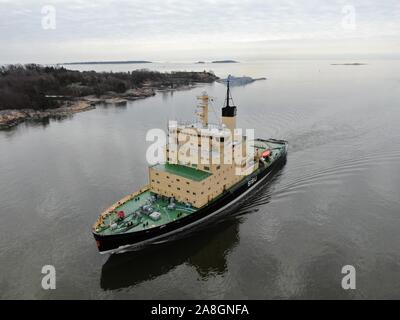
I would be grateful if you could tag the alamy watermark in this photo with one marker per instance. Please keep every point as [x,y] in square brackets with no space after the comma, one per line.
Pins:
[206,146]
[349,280]
[49,17]
[349,18]
[49,279]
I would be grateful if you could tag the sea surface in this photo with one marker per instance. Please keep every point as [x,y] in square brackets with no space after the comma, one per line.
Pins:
[336,202]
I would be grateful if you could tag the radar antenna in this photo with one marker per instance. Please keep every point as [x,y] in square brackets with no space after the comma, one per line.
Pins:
[228,93]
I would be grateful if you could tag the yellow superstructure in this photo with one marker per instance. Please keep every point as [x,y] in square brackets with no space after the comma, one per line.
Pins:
[200,158]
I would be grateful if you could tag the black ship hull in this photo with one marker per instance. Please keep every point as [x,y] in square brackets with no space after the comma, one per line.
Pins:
[128,241]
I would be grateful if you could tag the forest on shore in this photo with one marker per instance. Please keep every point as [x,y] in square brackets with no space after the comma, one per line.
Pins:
[40,87]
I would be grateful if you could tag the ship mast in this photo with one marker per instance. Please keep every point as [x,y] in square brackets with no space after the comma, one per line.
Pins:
[229,111]
[227,91]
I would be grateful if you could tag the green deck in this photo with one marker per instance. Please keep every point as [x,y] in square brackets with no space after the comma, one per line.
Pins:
[183,171]
[144,222]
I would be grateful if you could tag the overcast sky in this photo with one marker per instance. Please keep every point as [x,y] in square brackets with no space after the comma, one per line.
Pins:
[186,30]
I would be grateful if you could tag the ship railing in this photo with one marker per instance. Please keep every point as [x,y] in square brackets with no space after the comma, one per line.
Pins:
[124,200]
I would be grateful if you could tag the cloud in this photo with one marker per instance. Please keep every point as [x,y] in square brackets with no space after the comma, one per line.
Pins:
[151,28]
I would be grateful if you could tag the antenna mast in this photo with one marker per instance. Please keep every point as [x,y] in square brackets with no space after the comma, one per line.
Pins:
[227,91]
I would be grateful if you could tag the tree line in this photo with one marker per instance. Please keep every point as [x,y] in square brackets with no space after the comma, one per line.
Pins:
[39,87]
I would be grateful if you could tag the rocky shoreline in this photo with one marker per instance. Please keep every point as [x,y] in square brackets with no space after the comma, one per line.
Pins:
[11,117]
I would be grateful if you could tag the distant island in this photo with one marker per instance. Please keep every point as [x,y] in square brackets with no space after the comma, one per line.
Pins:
[348,64]
[36,92]
[239,81]
[225,61]
[106,62]
[200,62]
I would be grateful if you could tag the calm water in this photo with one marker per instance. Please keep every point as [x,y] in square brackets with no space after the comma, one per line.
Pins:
[336,202]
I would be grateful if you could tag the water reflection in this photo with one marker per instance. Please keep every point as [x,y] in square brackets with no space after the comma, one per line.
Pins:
[166,94]
[43,122]
[206,251]
[29,123]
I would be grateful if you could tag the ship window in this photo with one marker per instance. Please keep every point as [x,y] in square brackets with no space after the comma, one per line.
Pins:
[206,168]
[167,177]
[178,180]
[194,193]
[202,192]
[218,167]
[187,182]
[178,188]
[156,173]
[187,191]
[152,180]
[222,139]
[169,186]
